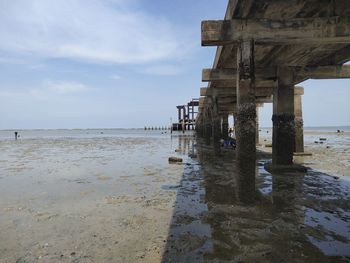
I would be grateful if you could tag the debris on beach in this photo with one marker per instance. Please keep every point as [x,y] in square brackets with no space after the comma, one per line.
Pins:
[175,160]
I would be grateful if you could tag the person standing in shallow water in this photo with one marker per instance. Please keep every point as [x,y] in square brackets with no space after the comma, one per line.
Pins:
[16,135]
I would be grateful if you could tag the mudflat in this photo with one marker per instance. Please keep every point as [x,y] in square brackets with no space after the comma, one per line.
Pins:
[75,199]
[330,151]
[116,198]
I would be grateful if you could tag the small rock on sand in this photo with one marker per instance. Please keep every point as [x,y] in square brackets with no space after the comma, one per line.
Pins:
[175,160]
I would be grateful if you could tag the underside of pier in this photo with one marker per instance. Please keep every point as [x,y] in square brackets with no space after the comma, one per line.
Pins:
[264,49]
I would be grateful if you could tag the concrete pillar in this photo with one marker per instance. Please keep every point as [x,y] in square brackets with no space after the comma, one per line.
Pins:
[246,108]
[179,114]
[183,119]
[224,127]
[208,127]
[188,118]
[299,124]
[216,126]
[193,115]
[216,134]
[283,138]
[257,126]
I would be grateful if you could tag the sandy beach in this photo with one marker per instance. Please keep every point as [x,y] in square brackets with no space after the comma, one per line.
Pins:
[105,197]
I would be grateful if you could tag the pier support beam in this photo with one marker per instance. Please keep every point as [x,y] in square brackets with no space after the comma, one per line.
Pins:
[224,126]
[199,127]
[246,105]
[216,132]
[216,126]
[299,124]
[184,119]
[283,138]
[179,113]
[207,127]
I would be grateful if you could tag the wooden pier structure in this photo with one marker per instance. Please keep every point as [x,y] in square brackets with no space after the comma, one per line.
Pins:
[264,49]
[187,115]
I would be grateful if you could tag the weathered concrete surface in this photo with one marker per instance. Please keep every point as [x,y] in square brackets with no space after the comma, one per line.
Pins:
[216,132]
[246,106]
[283,140]
[299,124]
[208,132]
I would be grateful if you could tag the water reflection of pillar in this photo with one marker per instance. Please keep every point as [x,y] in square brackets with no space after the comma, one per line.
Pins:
[188,144]
[285,191]
[193,155]
[226,194]
[246,171]
[179,143]
[182,144]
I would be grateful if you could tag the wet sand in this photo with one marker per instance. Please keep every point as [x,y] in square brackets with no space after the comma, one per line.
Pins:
[330,155]
[86,200]
[117,199]
[224,216]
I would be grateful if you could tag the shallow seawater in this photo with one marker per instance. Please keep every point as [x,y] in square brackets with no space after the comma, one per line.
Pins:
[224,216]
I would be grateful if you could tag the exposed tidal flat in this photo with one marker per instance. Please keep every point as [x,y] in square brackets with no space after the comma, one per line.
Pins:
[330,150]
[112,196]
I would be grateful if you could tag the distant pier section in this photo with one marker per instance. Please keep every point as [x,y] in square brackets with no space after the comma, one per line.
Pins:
[187,115]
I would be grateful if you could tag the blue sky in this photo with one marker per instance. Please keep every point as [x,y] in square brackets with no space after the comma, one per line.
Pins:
[118,63]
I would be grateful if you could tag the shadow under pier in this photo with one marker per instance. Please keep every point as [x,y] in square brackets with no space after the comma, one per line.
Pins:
[225,213]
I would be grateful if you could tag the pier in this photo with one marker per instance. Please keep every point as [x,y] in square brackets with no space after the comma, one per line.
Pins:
[264,50]
[186,116]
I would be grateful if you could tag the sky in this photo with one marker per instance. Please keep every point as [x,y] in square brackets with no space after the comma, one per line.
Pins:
[118,64]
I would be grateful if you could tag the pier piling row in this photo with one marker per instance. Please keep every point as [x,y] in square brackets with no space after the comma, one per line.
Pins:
[263,52]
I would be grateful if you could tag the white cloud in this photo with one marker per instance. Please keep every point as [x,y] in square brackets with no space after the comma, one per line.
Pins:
[48,89]
[65,87]
[89,30]
[115,77]
[163,70]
